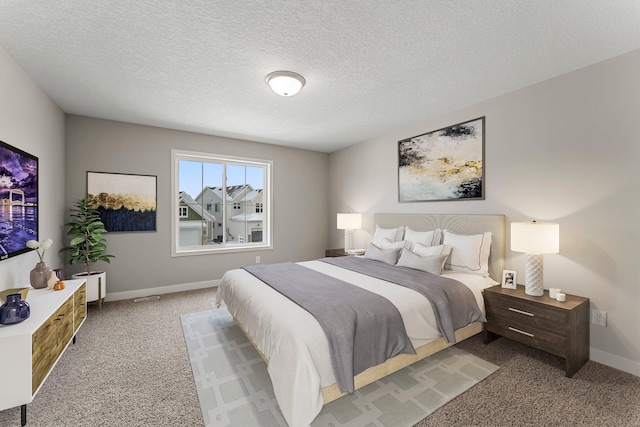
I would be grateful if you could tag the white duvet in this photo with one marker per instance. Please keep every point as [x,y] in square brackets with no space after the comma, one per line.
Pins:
[294,343]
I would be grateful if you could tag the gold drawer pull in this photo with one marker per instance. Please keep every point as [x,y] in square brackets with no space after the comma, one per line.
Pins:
[521,312]
[520,332]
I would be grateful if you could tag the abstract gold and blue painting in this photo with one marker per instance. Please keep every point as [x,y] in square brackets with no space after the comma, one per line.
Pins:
[445,164]
[125,202]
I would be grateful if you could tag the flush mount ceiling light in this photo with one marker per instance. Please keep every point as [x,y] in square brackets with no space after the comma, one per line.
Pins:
[285,83]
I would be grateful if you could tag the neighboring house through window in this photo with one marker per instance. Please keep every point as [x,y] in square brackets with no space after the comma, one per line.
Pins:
[212,217]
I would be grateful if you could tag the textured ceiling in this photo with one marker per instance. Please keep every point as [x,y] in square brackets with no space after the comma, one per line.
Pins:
[371,67]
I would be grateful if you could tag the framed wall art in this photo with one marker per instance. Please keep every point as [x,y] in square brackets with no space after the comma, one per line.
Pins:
[18,200]
[445,164]
[125,202]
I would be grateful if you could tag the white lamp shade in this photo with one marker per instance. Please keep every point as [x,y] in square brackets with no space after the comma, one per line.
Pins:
[535,237]
[349,221]
[285,83]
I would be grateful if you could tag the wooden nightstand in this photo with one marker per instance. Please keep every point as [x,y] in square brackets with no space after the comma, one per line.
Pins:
[335,253]
[560,328]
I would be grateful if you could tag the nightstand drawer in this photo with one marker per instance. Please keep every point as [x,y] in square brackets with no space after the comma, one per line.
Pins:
[537,315]
[551,340]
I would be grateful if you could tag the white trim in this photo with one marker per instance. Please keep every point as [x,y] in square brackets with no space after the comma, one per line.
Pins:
[613,361]
[118,296]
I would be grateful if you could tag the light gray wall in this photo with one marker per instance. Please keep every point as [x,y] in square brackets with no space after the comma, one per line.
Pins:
[565,150]
[32,122]
[143,260]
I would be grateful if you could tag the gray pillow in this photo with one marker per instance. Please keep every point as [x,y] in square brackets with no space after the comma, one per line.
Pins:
[390,256]
[431,263]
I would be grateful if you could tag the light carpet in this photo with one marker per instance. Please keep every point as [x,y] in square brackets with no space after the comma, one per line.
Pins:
[234,388]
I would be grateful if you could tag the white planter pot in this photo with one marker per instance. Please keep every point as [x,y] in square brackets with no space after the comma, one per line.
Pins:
[96,285]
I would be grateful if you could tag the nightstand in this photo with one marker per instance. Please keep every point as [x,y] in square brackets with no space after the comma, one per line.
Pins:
[560,328]
[335,253]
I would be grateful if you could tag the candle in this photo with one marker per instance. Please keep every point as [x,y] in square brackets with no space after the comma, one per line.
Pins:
[553,292]
[561,297]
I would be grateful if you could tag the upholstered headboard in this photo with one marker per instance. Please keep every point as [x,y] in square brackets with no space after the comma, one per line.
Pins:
[459,223]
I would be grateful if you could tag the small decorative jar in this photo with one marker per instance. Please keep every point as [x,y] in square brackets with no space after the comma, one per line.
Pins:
[15,310]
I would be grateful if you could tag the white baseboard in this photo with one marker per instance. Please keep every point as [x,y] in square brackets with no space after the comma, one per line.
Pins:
[118,296]
[614,361]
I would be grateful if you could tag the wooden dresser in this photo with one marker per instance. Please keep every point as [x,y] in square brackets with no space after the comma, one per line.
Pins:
[30,349]
[560,328]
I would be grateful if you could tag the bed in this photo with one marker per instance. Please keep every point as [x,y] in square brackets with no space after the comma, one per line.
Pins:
[293,344]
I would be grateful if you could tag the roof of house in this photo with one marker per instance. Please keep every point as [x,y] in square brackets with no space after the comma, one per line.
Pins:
[197,208]
[254,216]
[233,191]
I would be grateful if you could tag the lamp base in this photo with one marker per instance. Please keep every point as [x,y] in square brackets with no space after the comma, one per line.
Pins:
[348,240]
[533,284]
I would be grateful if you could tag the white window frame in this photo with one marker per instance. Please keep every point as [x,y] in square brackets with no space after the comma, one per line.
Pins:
[184,209]
[267,224]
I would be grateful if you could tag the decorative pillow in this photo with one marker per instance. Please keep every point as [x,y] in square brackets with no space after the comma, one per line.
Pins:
[469,253]
[393,234]
[423,250]
[427,238]
[390,256]
[430,263]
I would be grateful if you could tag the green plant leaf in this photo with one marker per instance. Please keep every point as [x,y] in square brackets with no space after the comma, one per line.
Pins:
[85,229]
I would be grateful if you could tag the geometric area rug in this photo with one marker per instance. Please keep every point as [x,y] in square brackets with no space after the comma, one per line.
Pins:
[234,388]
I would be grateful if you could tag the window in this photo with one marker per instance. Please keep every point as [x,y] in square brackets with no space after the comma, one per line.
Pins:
[210,217]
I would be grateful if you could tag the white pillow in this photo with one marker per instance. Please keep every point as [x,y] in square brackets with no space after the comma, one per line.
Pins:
[427,238]
[469,253]
[390,256]
[423,250]
[430,263]
[393,234]
[388,244]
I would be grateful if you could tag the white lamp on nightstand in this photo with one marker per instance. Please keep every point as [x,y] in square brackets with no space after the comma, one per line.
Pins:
[349,222]
[535,239]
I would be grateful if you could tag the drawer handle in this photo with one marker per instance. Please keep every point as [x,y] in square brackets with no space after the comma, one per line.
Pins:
[521,312]
[520,332]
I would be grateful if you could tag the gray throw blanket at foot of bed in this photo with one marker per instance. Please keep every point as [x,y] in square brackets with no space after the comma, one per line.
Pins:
[363,328]
[453,302]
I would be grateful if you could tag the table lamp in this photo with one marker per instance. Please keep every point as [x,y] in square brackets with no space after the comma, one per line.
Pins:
[349,222]
[535,239]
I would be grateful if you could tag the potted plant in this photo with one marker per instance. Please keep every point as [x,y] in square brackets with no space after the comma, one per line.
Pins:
[87,246]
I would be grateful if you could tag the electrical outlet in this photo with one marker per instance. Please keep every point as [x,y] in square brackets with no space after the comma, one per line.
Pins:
[258,259]
[599,317]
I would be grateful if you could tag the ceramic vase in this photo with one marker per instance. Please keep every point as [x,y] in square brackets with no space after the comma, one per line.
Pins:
[40,276]
[15,310]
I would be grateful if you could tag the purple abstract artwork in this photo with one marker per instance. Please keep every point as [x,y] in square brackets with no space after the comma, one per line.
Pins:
[18,200]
